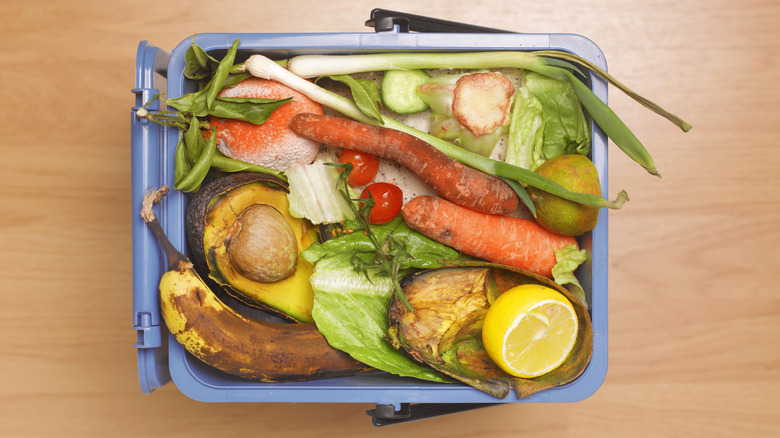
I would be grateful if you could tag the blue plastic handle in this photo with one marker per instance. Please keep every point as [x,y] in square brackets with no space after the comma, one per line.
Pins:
[147,139]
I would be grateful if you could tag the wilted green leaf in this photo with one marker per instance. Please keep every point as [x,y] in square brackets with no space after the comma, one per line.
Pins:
[365,93]
[249,109]
[198,64]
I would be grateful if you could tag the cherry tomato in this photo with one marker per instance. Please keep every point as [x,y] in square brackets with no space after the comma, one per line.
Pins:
[388,200]
[364,166]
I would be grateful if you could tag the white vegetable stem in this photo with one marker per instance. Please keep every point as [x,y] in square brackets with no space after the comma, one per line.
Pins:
[262,67]
[308,66]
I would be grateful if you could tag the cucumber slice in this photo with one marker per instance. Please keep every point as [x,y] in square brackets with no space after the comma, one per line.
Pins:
[399,91]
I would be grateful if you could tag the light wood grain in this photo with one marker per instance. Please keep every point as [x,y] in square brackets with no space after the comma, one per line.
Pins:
[694,328]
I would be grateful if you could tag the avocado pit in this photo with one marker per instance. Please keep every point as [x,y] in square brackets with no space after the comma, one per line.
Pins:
[262,245]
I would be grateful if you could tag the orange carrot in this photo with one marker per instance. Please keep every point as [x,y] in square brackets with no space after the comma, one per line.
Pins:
[458,183]
[511,241]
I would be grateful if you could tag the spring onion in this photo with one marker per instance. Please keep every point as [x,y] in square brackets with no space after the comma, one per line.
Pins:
[551,63]
[262,67]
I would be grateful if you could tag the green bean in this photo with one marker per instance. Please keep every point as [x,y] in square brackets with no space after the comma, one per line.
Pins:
[191,182]
[193,139]
[181,164]
[221,74]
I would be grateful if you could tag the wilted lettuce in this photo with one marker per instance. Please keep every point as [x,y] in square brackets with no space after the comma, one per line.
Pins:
[568,259]
[547,121]
[526,131]
[314,195]
[351,298]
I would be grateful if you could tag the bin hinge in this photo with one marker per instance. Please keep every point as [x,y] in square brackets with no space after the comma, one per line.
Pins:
[387,414]
[384,20]
[388,23]
[149,335]
[142,97]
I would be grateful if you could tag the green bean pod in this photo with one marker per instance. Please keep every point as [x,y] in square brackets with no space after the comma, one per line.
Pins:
[193,140]
[191,182]
[221,74]
[181,164]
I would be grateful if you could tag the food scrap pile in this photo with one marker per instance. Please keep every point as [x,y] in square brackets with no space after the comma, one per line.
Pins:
[414,214]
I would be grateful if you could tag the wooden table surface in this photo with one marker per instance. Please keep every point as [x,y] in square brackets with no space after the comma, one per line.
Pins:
[694,325]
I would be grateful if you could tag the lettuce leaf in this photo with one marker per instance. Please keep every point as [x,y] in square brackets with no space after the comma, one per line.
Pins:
[314,194]
[565,128]
[562,129]
[351,299]
[351,312]
[526,131]
[568,259]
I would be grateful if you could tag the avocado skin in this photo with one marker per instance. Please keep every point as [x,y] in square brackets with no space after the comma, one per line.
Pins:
[195,221]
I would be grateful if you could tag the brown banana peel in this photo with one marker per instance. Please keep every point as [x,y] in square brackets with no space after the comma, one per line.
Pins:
[219,336]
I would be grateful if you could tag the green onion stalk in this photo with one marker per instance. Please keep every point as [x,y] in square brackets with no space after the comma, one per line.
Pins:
[262,67]
[551,63]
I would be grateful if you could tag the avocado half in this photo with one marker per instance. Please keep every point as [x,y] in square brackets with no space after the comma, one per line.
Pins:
[210,217]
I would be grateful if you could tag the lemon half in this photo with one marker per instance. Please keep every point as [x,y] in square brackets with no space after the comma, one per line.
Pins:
[530,330]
